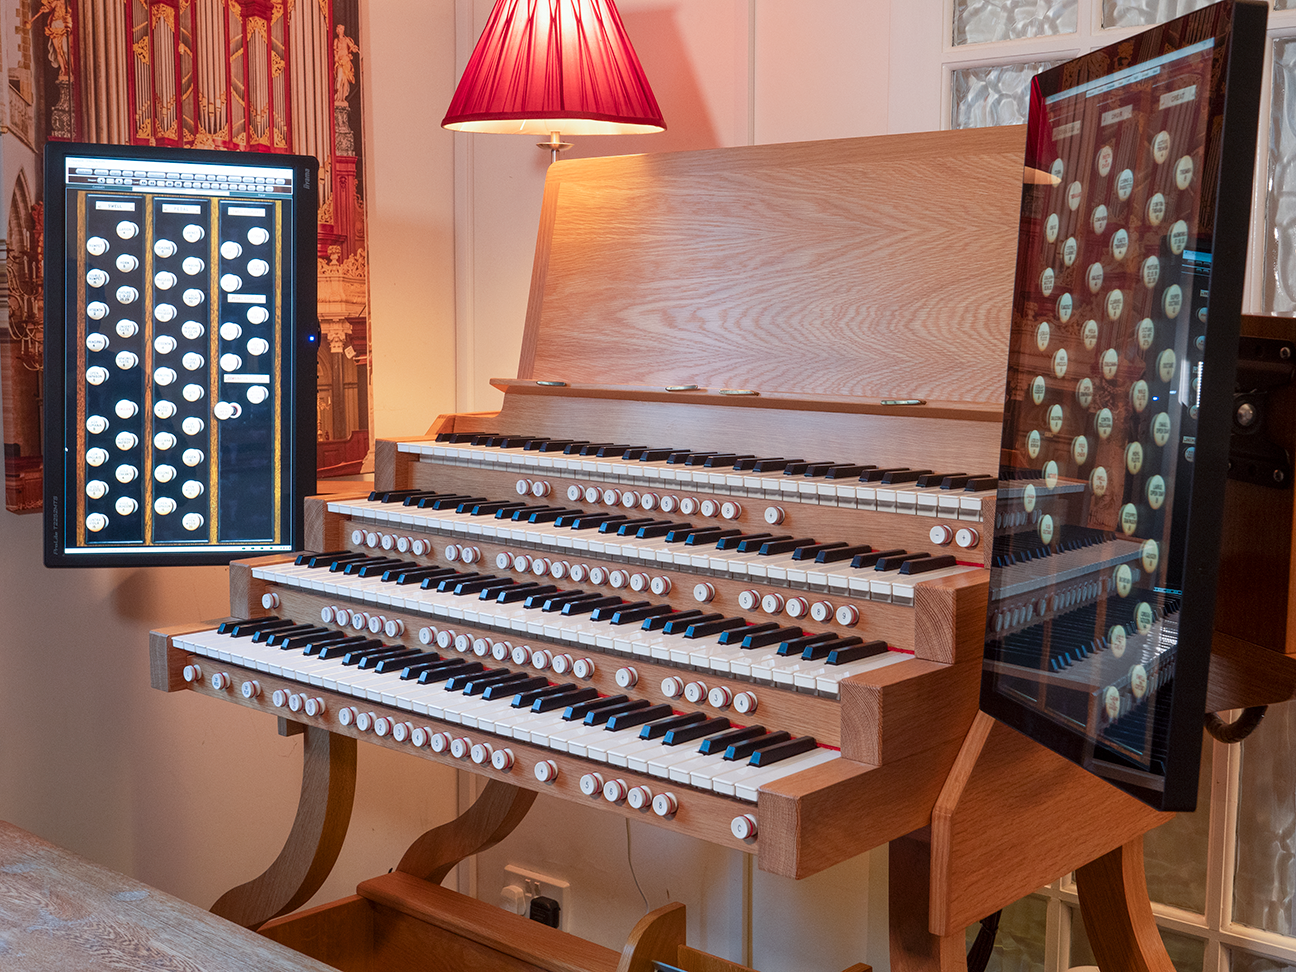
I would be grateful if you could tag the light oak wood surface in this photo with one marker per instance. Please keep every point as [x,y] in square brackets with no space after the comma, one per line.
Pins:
[60,912]
[490,819]
[1117,913]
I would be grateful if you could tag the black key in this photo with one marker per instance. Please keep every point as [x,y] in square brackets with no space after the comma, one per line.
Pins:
[878,473]
[834,554]
[870,558]
[895,562]
[319,639]
[716,745]
[935,479]
[584,606]
[454,437]
[680,456]
[319,644]
[680,622]
[714,535]
[763,639]
[847,470]
[283,637]
[585,448]
[513,441]
[476,585]
[339,649]
[392,495]
[795,646]
[404,662]
[452,499]
[799,468]
[414,498]
[631,528]
[637,717]
[562,445]
[258,637]
[394,574]
[744,748]
[560,601]
[938,562]
[521,592]
[494,591]
[355,656]
[449,669]
[450,583]
[413,670]
[599,716]
[695,730]
[633,615]
[897,476]
[457,683]
[551,514]
[658,528]
[305,558]
[780,546]
[399,659]
[538,599]
[659,621]
[245,629]
[723,460]
[655,730]
[769,755]
[506,688]
[584,521]
[735,636]
[704,629]
[732,543]
[608,612]
[955,482]
[812,550]
[522,514]
[854,653]
[978,484]
[525,698]
[374,565]
[822,649]
[617,525]
[753,542]
[328,560]
[550,702]
[616,450]
[777,464]
[453,502]
[579,710]
[489,509]
[699,458]
[380,570]
[655,455]
[533,445]
[682,533]
[423,574]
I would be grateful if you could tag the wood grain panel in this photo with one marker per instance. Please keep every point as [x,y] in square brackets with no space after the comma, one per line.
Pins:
[1118,914]
[166,662]
[339,934]
[898,711]
[779,264]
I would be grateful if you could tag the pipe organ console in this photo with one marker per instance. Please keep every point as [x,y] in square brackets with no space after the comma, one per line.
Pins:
[719,563]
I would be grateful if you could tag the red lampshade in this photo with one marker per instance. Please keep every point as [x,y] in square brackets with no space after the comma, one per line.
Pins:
[544,66]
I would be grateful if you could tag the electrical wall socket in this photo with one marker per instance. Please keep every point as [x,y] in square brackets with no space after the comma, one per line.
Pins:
[532,884]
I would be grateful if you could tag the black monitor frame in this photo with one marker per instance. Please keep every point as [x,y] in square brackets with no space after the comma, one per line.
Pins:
[269,442]
[1079,719]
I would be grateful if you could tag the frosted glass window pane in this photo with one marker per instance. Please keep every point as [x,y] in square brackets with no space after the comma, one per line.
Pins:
[1144,13]
[1246,962]
[1174,855]
[981,21]
[1284,5]
[995,95]
[1264,875]
[1187,954]
[1280,208]
[1019,947]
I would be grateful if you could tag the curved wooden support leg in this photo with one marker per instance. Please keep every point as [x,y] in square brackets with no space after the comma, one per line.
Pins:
[1118,914]
[489,820]
[323,813]
[913,947]
[656,937]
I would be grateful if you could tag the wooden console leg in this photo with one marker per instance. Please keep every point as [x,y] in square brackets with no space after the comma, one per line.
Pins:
[323,813]
[489,820]
[656,937]
[1118,914]
[913,947]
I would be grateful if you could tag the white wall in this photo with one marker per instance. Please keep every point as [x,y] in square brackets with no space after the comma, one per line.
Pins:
[195,796]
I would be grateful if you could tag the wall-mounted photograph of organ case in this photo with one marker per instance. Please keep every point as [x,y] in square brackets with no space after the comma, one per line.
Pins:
[1122,354]
[180,341]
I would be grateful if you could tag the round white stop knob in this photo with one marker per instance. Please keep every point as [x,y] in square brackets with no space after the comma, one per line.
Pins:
[346,715]
[521,563]
[270,601]
[377,623]
[420,737]
[502,760]
[695,692]
[747,600]
[280,698]
[427,635]
[503,560]
[618,579]
[220,681]
[591,784]
[364,721]
[500,650]
[541,658]
[591,494]
[629,499]
[797,607]
[614,791]
[546,771]
[562,664]
[688,506]
[387,540]
[402,731]
[848,615]
[598,575]
[445,638]
[720,697]
[482,753]
[709,507]
[639,797]
[540,566]
[627,677]
[940,534]
[703,592]
[382,726]
[192,673]
[672,687]
[967,538]
[668,504]
[463,643]
[744,827]
[521,654]
[665,804]
[342,616]
[440,742]
[359,620]
[772,603]
[612,497]
[661,586]
[403,544]
[371,539]
[451,552]
[523,487]
[421,547]
[470,555]
[461,748]
[584,668]
[326,614]
[296,703]
[578,572]
[482,647]
[730,510]
[314,706]
[821,611]
[357,537]
[394,628]
[773,515]
[639,582]
[559,569]
[540,489]
[250,689]
[649,501]
[745,702]
[574,493]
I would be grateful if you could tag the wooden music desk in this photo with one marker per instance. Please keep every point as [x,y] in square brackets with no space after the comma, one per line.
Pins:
[60,912]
